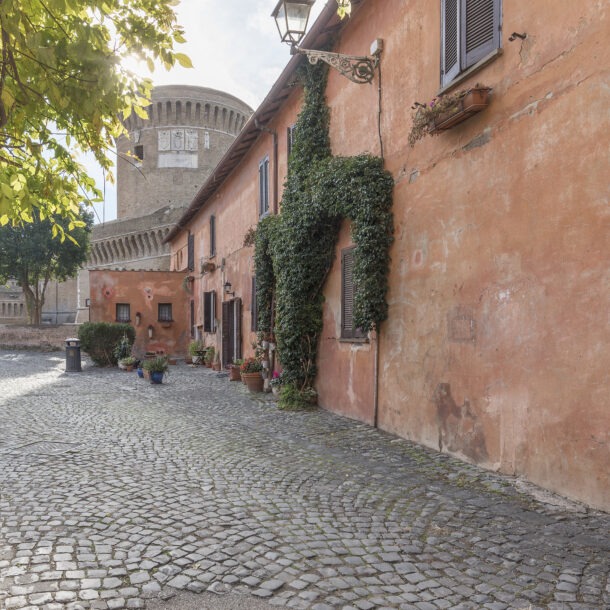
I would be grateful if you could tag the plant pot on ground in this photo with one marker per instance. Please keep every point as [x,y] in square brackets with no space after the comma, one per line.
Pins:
[252,374]
[156,368]
[128,363]
[234,372]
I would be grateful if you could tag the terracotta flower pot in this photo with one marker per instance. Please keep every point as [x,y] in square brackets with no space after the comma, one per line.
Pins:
[234,374]
[254,381]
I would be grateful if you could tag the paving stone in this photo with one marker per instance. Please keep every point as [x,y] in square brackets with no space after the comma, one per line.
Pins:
[209,487]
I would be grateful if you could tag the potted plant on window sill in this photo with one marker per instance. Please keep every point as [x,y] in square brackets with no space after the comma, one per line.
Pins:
[251,374]
[447,111]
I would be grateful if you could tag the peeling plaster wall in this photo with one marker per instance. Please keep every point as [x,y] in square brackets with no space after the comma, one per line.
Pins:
[143,291]
[496,348]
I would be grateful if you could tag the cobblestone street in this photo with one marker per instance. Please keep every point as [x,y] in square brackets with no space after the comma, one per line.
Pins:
[115,493]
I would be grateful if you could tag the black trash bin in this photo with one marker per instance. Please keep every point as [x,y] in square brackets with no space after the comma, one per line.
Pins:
[72,356]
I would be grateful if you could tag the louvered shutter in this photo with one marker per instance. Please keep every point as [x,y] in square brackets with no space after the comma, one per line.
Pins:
[479,30]
[227,357]
[237,329]
[347,294]
[253,307]
[450,47]
[191,252]
[209,311]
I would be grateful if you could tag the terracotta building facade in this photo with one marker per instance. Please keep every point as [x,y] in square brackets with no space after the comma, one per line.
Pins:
[496,345]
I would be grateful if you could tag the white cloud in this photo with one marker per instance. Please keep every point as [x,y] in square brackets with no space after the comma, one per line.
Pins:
[234,46]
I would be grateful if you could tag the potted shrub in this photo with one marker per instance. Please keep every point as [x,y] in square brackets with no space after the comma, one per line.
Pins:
[196,350]
[209,356]
[122,350]
[276,383]
[251,374]
[157,367]
[234,372]
[128,363]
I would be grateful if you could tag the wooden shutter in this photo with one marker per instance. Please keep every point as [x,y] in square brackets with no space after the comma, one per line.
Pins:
[209,311]
[192,306]
[212,235]
[227,356]
[479,29]
[450,47]
[191,252]
[347,293]
[237,328]
[253,307]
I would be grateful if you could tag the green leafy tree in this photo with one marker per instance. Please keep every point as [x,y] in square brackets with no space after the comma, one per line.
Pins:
[33,255]
[63,90]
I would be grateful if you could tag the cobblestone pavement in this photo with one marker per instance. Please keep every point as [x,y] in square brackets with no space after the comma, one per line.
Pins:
[115,493]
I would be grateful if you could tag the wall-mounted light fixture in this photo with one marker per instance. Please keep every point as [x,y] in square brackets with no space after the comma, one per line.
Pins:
[291,17]
[87,302]
[228,287]
[151,328]
[138,318]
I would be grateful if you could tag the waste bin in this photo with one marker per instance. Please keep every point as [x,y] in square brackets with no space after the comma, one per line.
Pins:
[72,355]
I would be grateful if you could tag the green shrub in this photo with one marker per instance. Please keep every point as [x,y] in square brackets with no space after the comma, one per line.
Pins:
[99,340]
[293,399]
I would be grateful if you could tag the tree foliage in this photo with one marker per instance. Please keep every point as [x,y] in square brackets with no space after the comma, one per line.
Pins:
[32,254]
[295,250]
[63,90]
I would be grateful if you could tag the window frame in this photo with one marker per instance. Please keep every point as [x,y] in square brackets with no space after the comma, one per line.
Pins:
[168,308]
[263,187]
[467,59]
[290,135]
[119,319]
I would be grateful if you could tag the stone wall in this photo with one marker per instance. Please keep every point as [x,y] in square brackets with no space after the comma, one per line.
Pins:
[47,338]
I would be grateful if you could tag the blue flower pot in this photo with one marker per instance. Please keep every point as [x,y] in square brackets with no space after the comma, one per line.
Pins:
[140,372]
[156,377]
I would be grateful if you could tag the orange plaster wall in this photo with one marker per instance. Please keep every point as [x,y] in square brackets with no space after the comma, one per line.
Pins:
[346,379]
[496,348]
[235,207]
[143,290]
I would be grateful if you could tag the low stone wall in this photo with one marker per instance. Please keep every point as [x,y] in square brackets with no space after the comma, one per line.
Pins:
[47,338]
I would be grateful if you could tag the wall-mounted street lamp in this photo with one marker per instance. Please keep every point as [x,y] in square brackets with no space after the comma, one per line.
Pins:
[151,328]
[291,17]
[138,318]
[228,287]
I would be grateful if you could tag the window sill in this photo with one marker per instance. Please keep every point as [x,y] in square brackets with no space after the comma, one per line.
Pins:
[354,340]
[123,321]
[460,78]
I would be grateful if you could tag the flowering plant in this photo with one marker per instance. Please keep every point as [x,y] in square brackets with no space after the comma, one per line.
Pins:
[277,380]
[251,365]
[423,115]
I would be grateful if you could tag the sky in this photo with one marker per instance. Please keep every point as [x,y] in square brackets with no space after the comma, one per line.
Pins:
[234,46]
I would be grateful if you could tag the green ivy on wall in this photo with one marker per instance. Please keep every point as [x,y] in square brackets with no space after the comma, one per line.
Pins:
[294,251]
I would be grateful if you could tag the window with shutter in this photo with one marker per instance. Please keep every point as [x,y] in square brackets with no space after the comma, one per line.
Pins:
[253,308]
[263,187]
[348,331]
[470,30]
[209,312]
[191,252]
[212,235]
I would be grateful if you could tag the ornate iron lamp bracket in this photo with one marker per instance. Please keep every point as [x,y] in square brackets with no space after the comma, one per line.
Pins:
[359,69]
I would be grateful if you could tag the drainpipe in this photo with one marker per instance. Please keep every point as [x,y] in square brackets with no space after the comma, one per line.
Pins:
[376,386]
[275,162]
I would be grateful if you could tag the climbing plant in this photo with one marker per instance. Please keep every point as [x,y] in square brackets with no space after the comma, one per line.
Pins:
[294,251]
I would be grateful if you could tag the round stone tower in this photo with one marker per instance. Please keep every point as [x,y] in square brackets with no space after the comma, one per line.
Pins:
[167,157]
[162,162]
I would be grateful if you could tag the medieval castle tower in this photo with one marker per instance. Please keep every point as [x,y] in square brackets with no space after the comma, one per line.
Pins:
[161,164]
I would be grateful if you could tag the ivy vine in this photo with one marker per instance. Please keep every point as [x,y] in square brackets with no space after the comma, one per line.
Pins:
[294,251]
